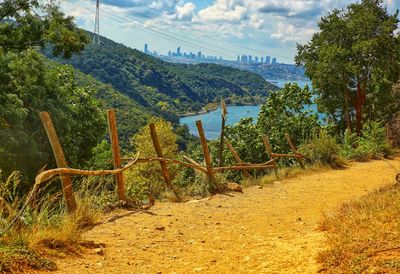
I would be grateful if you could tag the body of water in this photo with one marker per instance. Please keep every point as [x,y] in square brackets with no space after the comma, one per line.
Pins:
[212,120]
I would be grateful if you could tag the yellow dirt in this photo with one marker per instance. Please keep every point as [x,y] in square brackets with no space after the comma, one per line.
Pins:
[268,230]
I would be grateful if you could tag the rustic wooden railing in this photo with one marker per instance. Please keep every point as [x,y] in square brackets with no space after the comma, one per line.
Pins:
[64,171]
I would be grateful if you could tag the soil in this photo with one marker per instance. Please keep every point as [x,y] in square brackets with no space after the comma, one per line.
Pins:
[273,229]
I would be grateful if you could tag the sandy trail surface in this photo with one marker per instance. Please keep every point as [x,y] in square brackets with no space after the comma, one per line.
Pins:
[268,230]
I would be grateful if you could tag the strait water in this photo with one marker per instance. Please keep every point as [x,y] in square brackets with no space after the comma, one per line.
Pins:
[212,120]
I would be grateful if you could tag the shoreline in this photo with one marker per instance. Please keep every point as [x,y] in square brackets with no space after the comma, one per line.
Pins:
[205,111]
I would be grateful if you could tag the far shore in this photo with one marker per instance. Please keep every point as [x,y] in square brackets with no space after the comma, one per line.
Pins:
[204,111]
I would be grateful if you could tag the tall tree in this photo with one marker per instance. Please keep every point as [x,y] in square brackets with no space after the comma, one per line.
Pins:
[28,23]
[29,84]
[353,60]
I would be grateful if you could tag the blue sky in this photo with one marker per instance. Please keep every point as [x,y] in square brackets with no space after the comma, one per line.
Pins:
[216,27]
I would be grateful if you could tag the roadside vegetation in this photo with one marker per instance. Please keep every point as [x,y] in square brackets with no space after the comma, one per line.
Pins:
[357,120]
[363,236]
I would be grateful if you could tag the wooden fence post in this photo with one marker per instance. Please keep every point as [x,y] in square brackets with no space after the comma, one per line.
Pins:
[66,181]
[206,152]
[268,148]
[237,158]
[163,164]
[112,129]
[294,150]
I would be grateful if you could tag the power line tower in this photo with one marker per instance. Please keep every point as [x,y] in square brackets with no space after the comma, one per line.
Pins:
[96,32]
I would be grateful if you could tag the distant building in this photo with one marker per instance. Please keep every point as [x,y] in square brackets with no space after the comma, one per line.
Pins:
[244,59]
[146,48]
[169,54]
[256,59]
[199,55]
[268,60]
[250,59]
[178,51]
[274,61]
[262,59]
[238,58]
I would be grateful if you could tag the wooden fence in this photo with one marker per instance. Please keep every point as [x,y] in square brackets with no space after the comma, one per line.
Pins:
[64,171]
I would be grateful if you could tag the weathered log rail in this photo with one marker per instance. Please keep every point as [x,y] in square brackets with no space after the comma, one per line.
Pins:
[64,171]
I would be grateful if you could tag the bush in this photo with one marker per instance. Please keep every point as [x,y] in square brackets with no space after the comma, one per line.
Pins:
[146,179]
[372,144]
[322,148]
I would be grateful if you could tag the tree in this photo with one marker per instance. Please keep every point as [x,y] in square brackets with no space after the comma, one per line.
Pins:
[30,84]
[353,60]
[146,178]
[25,24]
[287,111]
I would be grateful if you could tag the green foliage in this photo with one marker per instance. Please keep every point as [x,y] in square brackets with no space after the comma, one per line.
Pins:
[30,85]
[371,144]
[25,24]
[287,111]
[164,88]
[322,148]
[146,178]
[353,62]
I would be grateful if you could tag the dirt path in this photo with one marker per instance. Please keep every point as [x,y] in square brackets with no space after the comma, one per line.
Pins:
[269,230]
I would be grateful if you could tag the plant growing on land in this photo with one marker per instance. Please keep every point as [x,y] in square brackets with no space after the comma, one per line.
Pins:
[287,111]
[353,62]
[371,144]
[322,148]
[146,179]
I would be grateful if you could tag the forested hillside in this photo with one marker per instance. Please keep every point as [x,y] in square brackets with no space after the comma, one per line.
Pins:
[164,88]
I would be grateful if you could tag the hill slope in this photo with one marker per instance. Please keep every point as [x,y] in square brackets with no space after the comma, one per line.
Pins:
[167,89]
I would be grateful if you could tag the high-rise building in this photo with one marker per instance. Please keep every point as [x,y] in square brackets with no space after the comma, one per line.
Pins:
[178,51]
[146,48]
[244,59]
[169,53]
[268,59]
[250,59]
[256,59]
[262,59]
[274,61]
[199,55]
[238,58]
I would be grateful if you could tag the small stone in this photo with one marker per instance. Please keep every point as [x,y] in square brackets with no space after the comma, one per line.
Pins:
[160,227]
[198,269]
[235,187]
[99,251]
[277,183]
[258,187]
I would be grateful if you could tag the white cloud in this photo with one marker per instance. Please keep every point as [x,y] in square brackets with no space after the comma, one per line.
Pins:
[185,12]
[288,32]
[224,10]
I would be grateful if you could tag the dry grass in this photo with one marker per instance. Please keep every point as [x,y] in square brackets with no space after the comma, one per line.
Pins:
[44,230]
[364,236]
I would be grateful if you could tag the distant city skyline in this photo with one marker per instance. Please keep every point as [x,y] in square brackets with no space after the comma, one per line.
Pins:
[199,55]
[224,28]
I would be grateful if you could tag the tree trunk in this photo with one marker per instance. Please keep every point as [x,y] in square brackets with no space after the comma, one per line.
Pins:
[359,103]
[347,110]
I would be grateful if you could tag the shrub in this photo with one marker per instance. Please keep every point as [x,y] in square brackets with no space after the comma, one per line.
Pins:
[146,178]
[322,148]
[372,144]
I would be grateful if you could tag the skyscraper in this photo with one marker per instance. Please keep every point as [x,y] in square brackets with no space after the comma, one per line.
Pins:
[244,58]
[199,55]
[274,61]
[146,48]
[178,51]
[262,59]
[256,59]
[268,59]
[250,59]
[238,58]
